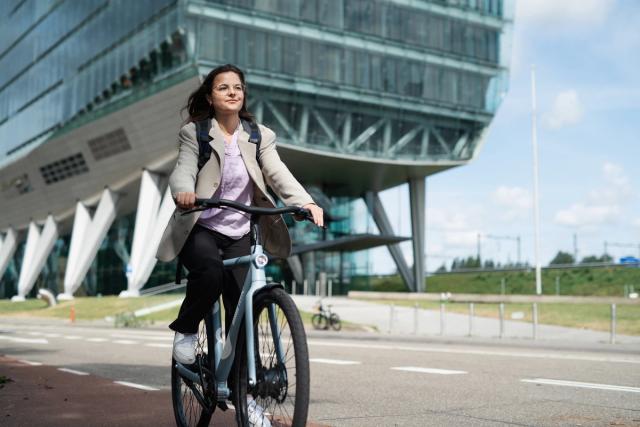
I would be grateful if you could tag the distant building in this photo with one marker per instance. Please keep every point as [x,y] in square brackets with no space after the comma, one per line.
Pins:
[363,94]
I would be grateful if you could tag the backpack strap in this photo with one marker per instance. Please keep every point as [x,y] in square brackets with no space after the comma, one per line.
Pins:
[255,137]
[204,148]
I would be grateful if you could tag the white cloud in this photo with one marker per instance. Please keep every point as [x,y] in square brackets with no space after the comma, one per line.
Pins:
[515,202]
[567,110]
[603,205]
[563,12]
[582,215]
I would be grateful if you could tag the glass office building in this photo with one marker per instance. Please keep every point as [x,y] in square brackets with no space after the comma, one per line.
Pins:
[363,94]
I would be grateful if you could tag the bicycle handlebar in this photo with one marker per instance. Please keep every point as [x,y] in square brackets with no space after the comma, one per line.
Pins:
[222,203]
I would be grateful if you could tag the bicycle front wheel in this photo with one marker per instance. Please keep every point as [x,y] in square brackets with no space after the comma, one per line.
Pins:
[334,320]
[186,408]
[282,364]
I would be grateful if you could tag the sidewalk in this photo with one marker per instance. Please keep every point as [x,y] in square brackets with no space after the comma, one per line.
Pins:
[403,321]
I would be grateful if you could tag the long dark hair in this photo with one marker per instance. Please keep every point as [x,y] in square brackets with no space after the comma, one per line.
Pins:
[198,106]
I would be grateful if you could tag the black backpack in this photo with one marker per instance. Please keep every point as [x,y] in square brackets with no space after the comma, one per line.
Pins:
[204,149]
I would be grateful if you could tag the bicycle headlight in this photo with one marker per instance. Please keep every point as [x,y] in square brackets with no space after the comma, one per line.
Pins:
[261,260]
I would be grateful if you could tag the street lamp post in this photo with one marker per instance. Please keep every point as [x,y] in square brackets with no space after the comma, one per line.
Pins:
[536,207]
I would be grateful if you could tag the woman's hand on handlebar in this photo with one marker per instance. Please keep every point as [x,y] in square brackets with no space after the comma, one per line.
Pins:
[316,212]
[185,200]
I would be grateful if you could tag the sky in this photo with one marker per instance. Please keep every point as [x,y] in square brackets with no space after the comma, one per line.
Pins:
[587,62]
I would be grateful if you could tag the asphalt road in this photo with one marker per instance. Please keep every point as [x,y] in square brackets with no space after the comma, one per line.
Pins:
[368,381]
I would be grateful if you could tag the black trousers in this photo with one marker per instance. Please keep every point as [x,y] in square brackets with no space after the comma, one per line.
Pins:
[202,255]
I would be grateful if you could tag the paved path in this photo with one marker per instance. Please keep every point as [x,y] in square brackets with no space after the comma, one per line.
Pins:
[356,380]
[403,322]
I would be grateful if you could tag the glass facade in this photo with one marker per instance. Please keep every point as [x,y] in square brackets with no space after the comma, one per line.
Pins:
[58,57]
[434,70]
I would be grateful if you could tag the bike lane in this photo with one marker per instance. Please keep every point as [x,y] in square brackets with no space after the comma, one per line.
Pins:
[41,395]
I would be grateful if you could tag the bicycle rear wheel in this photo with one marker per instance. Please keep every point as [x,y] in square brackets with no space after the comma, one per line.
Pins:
[186,408]
[282,389]
[319,321]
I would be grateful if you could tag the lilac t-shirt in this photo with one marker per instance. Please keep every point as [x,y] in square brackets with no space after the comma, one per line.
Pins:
[235,185]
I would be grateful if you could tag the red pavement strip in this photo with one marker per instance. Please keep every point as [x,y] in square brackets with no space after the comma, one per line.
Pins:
[45,396]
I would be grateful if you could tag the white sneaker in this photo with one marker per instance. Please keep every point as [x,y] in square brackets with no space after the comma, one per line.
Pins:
[256,414]
[184,348]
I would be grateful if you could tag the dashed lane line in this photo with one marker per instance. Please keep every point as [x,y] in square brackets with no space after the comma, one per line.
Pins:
[578,384]
[138,386]
[72,337]
[30,363]
[428,370]
[469,351]
[160,345]
[144,337]
[73,371]
[24,340]
[335,361]
[97,339]
[126,342]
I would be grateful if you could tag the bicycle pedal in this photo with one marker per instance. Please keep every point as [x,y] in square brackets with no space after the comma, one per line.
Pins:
[223,405]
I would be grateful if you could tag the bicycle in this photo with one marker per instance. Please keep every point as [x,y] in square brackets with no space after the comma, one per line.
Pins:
[264,355]
[325,318]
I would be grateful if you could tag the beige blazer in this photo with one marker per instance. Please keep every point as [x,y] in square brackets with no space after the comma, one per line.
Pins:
[186,178]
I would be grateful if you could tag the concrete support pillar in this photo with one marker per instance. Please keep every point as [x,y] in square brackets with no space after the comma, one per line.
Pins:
[38,247]
[8,247]
[417,188]
[86,237]
[309,266]
[382,221]
[296,268]
[153,214]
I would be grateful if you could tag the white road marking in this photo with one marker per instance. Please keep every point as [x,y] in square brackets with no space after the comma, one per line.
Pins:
[583,385]
[525,354]
[428,370]
[144,337]
[73,371]
[52,335]
[335,361]
[161,345]
[25,340]
[138,386]
[29,362]
[35,333]
[125,342]
[97,339]
[72,337]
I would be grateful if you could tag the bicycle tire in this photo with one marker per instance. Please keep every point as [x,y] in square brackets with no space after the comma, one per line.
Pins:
[284,398]
[187,410]
[334,321]
[319,321]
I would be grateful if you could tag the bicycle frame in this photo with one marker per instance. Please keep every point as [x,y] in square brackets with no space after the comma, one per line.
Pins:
[224,352]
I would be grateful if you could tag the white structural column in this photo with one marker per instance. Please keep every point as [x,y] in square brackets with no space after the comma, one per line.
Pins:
[37,250]
[86,237]
[153,214]
[8,247]
[417,201]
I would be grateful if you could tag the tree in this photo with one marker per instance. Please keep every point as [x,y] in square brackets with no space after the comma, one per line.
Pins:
[442,268]
[591,259]
[562,258]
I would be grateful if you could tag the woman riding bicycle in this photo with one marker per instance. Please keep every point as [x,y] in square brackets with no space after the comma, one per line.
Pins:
[234,172]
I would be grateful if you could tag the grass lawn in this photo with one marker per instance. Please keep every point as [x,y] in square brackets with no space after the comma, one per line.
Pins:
[588,281]
[96,308]
[588,316]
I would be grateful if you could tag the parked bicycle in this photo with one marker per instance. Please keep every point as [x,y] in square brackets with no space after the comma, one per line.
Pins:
[325,318]
[264,359]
